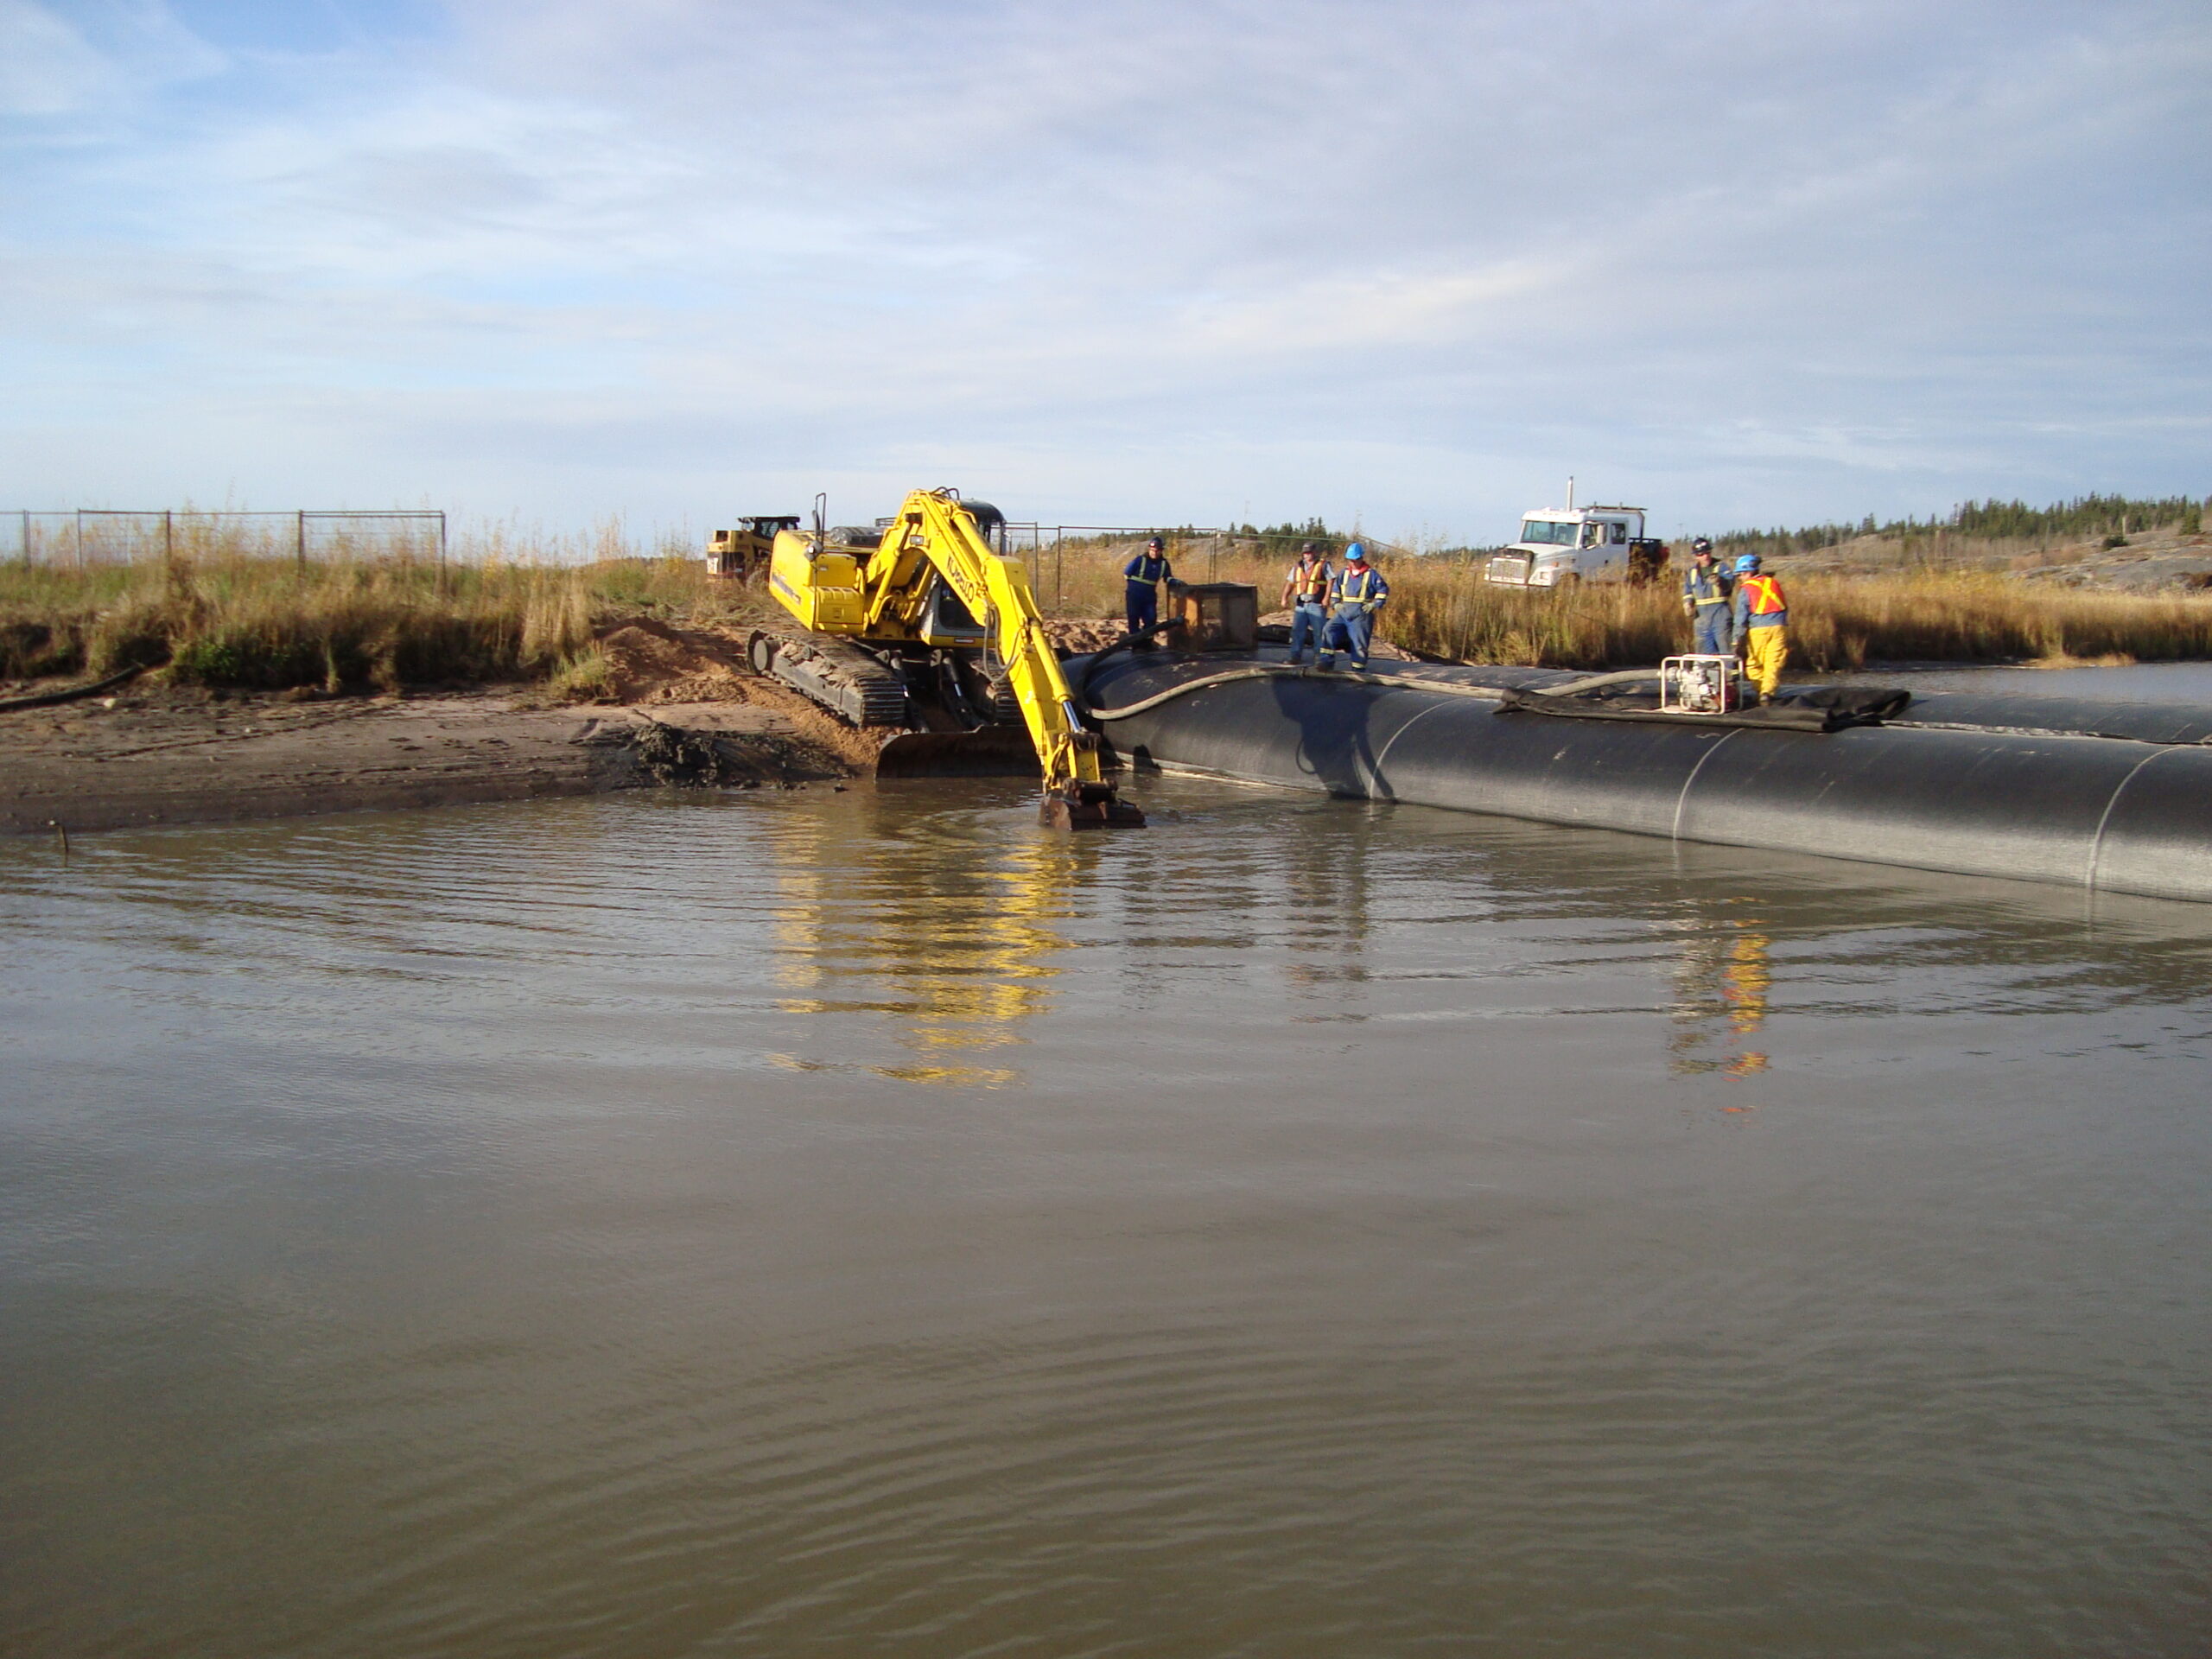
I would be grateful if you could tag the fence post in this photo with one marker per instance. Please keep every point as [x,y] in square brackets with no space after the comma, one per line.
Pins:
[300,540]
[169,536]
[1060,568]
[27,538]
[80,538]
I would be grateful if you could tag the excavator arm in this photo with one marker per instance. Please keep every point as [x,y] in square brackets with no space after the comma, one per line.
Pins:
[934,532]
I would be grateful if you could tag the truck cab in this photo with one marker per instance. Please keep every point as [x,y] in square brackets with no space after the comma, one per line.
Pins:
[1561,546]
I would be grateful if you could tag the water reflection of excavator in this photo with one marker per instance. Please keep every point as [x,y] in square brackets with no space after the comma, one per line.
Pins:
[875,934]
[926,624]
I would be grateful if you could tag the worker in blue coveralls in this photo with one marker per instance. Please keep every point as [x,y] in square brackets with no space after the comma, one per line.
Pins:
[1708,593]
[1357,596]
[1141,591]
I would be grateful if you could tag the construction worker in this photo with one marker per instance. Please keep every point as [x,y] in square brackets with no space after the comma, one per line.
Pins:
[1708,593]
[1355,597]
[1762,624]
[1140,589]
[1306,591]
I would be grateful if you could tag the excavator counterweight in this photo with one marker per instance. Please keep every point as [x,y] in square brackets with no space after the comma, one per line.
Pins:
[933,610]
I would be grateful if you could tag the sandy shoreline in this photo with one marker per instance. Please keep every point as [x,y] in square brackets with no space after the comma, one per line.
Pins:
[170,757]
[154,753]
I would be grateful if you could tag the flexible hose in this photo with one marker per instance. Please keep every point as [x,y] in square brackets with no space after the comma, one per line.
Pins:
[70,694]
[1269,671]
[1575,687]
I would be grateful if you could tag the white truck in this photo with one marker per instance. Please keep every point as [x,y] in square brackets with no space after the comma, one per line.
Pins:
[1561,546]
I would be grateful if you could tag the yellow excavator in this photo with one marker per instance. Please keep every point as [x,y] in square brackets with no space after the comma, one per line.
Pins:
[924,623]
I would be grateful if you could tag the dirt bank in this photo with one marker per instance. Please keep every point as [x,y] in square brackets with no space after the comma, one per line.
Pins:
[172,758]
[657,665]
[156,753]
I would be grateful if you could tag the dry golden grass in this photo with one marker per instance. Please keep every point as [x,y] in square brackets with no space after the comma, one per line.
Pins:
[1084,579]
[262,621]
[1983,617]
[585,675]
[1442,607]
[227,617]
[1834,622]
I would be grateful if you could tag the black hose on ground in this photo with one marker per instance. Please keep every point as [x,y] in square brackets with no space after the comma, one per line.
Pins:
[70,694]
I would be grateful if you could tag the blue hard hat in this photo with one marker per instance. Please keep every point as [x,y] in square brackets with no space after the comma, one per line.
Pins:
[1746,563]
[1356,551]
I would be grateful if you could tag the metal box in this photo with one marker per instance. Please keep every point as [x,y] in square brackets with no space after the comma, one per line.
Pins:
[1215,616]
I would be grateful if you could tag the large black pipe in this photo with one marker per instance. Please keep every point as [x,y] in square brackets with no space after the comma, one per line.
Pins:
[1997,788]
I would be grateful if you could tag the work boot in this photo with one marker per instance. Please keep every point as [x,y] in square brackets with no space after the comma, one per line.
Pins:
[1326,661]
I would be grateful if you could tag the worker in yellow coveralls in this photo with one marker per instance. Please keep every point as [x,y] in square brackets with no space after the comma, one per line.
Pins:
[1762,624]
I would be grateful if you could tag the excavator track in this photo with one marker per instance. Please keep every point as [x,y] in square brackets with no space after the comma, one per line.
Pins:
[840,675]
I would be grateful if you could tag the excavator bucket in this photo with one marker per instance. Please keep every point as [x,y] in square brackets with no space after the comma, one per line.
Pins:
[1005,751]
[989,751]
[1088,806]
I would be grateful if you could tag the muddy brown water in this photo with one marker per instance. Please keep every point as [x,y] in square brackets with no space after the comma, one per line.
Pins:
[865,1223]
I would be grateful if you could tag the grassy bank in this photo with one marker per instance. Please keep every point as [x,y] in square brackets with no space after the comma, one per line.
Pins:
[1442,607]
[1834,622]
[266,623]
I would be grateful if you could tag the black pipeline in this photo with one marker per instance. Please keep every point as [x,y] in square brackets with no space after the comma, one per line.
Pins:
[1982,786]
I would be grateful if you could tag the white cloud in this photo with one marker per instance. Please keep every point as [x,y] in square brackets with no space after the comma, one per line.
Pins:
[1409,256]
[46,66]
[98,59]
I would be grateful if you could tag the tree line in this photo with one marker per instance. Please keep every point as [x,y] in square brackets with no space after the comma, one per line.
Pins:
[2079,520]
[2083,518]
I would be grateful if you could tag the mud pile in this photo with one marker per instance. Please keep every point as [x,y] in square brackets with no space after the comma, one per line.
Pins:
[652,662]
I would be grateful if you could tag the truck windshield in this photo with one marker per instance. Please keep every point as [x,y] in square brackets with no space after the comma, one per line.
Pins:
[1548,532]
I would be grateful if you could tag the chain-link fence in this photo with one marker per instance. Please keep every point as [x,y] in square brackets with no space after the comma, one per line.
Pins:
[1054,549]
[1058,556]
[87,537]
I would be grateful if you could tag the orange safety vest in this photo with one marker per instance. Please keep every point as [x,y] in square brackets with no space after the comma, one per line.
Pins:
[1763,595]
[1309,584]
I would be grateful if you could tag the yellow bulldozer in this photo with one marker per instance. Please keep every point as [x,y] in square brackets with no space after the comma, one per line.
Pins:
[924,626]
[738,555]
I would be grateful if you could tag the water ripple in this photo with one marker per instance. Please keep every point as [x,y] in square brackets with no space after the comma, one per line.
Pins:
[854,1223]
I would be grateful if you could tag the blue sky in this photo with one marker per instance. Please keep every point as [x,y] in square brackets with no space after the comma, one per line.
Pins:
[1404,262]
